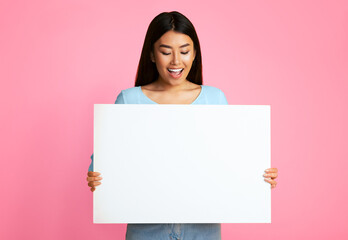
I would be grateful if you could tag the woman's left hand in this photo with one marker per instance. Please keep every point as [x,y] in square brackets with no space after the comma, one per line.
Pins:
[270,175]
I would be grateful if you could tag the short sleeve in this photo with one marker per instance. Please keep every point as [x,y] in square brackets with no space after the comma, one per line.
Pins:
[223,100]
[120,98]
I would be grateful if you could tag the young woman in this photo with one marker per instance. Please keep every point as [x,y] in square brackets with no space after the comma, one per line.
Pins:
[170,72]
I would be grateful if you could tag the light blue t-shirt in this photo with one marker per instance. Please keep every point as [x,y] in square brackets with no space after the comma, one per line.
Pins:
[134,95]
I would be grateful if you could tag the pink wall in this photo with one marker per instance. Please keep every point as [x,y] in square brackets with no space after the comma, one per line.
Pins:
[58,58]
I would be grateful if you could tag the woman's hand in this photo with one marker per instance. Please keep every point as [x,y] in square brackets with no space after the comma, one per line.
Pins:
[93,180]
[270,175]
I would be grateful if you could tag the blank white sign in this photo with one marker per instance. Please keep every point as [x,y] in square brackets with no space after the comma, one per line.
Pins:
[172,163]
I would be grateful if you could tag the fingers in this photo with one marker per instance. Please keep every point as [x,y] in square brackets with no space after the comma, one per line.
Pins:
[272,182]
[271,175]
[94,184]
[271,170]
[89,179]
[92,179]
[93,174]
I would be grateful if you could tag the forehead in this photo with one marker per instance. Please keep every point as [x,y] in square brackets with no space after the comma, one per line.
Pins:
[174,39]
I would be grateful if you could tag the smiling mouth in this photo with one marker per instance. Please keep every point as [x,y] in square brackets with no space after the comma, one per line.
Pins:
[175,71]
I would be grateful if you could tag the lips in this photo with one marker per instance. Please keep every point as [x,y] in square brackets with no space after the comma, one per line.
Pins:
[175,70]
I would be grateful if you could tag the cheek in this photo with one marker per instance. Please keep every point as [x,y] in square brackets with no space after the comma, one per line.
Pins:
[188,60]
[162,61]
[161,64]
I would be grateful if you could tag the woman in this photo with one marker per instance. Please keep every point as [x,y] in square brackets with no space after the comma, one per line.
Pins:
[170,72]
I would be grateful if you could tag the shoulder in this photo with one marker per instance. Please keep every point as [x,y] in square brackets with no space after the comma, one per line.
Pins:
[214,95]
[128,95]
[130,91]
[212,90]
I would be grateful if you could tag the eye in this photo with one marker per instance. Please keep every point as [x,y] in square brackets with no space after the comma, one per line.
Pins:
[181,53]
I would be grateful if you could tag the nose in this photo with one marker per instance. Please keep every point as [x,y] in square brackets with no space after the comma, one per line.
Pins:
[176,58]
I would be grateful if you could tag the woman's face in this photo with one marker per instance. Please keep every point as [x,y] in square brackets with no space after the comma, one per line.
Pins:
[172,52]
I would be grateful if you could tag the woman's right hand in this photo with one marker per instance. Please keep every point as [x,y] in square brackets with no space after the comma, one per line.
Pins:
[93,180]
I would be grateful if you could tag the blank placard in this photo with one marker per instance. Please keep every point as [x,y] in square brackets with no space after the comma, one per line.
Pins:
[172,163]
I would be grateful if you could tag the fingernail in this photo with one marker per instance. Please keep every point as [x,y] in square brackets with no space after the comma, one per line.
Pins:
[265,175]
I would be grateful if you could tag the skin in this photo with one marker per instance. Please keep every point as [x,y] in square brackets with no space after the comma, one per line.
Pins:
[172,50]
[168,90]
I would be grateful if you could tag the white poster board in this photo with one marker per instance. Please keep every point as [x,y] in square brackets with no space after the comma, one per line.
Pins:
[172,163]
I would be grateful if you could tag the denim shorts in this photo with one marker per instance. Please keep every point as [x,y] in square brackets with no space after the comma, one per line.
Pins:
[199,231]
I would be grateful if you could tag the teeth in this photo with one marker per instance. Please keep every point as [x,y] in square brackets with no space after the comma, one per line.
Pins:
[175,70]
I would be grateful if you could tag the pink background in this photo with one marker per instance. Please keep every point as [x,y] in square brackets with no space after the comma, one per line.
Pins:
[58,58]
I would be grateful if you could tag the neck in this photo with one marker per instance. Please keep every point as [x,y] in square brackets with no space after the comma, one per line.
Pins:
[161,85]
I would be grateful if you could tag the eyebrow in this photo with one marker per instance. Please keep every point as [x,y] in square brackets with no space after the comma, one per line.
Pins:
[166,46]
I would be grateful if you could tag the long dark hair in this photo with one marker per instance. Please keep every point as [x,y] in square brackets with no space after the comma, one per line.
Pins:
[162,23]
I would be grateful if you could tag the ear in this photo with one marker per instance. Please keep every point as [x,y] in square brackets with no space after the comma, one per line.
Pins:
[152,57]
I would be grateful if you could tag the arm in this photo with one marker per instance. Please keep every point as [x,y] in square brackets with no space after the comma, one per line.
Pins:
[270,173]
[222,98]
[94,177]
